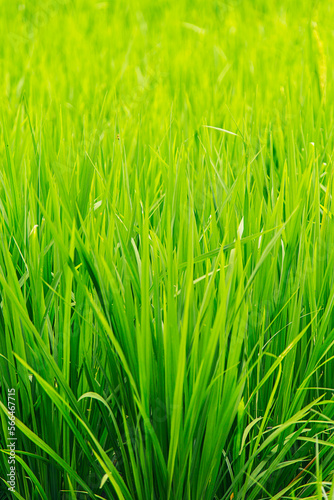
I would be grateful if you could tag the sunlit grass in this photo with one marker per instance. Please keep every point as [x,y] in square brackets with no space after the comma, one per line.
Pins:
[166,251]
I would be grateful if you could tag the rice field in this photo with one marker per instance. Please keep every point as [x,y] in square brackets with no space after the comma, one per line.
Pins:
[166,250]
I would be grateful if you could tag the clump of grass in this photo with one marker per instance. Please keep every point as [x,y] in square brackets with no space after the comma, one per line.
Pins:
[166,250]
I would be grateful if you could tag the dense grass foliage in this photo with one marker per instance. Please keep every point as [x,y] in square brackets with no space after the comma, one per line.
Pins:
[167,287]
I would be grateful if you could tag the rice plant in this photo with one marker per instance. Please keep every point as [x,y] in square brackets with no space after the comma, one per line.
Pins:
[167,250]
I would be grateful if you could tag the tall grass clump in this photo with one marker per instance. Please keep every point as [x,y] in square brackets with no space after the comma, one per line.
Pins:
[166,249]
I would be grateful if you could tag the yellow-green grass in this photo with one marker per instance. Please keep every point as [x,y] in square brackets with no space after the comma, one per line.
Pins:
[166,251]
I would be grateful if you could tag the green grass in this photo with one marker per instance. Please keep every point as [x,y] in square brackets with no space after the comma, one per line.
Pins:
[167,288]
